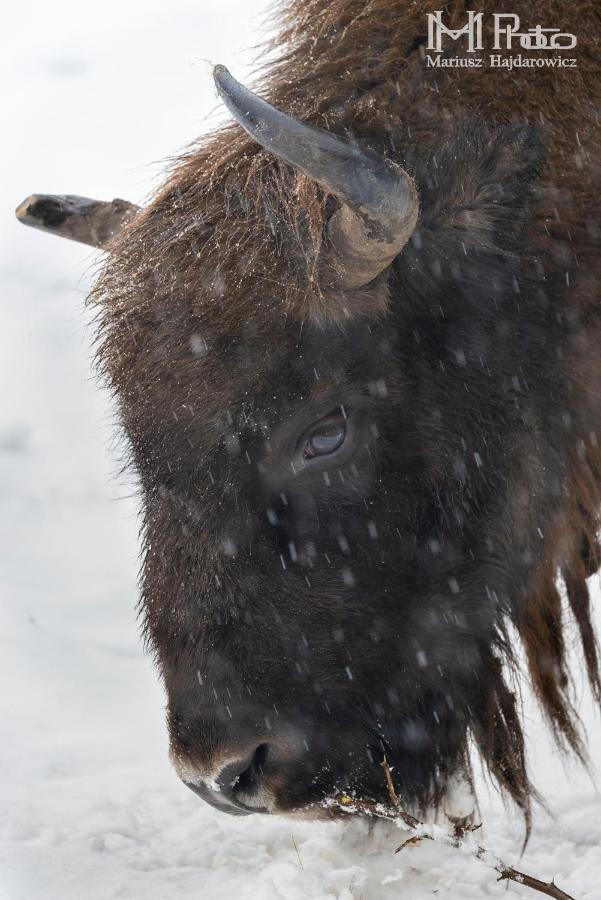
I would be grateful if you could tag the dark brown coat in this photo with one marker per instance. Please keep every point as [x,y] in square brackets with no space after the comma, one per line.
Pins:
[224,261]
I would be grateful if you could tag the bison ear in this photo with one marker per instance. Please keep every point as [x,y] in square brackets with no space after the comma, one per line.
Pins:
[480,184]
[91,222]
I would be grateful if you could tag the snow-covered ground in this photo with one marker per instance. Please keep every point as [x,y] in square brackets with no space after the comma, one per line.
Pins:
[95,96]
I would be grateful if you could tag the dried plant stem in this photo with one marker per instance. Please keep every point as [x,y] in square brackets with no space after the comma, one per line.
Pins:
[408,819]
[505,872]
[456,839]
[543,887]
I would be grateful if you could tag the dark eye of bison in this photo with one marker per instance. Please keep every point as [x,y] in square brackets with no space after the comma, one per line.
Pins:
[327,436]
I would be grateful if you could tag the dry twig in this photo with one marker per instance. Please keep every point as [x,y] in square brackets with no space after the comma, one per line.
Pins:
[455,840]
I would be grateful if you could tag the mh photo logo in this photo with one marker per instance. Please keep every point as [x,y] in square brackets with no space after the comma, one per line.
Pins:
[507,35]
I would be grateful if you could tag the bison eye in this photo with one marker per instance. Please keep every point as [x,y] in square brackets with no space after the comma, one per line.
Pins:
[325,438]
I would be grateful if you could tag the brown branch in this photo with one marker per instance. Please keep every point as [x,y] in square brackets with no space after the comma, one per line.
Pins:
[416,839]
[455,840]
[543,887]
[408,819]
[506,873]
[390,783]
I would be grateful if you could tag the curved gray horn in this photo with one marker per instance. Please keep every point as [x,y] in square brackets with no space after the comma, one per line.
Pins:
[91,222]
[379,200]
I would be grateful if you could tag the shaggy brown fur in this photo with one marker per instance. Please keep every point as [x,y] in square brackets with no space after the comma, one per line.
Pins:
[230,209]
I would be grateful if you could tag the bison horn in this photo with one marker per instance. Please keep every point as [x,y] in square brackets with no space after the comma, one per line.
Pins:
[78,218]
[379,203]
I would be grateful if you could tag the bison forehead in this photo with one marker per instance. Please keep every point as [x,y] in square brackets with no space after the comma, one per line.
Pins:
[197,383]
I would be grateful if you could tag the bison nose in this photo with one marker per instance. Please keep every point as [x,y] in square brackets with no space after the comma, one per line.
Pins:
[239,786]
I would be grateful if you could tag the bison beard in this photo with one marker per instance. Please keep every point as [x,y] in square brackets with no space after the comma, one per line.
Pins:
[310,613]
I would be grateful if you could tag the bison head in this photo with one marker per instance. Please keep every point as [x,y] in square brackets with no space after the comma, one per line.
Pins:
[336,365]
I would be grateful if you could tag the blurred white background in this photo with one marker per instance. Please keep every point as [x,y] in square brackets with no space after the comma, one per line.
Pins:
[95,98]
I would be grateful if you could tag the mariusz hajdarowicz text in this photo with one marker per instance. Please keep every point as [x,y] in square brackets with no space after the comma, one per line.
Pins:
[537,42]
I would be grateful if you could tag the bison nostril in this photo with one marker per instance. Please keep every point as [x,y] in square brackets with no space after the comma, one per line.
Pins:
[247,775]
[260,757]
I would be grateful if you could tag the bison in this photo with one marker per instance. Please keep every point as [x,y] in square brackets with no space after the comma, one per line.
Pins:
[354,344]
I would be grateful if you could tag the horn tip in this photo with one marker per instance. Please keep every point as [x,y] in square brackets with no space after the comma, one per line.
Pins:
[219,73]
[220,69]
[22,211]
[45,211]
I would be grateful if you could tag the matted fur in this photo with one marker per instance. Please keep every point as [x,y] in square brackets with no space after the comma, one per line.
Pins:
[229,208]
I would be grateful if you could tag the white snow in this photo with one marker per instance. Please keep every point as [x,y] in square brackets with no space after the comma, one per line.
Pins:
[94,96]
